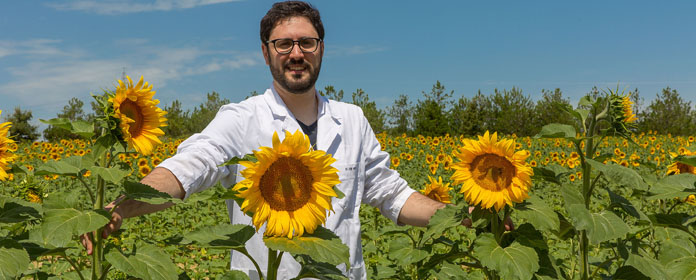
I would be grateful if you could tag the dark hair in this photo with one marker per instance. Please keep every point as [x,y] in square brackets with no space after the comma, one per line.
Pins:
[288,9]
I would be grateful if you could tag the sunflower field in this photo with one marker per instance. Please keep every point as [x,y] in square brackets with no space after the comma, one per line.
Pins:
[587,201]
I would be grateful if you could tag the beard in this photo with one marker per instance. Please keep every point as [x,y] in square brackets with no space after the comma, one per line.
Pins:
[296,84]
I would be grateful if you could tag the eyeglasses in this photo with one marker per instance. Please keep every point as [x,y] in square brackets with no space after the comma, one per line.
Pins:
[285,45]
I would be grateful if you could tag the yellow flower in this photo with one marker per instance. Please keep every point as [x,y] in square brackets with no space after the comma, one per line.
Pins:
[678,167]
[140,118]
[289,187]
[436,190]
[395,162]
[6,149]
[627,110]
[491,172]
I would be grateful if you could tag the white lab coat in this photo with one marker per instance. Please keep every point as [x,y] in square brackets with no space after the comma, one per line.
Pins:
[342,130]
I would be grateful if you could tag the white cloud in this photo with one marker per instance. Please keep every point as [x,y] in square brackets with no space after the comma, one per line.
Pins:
[44,47]
[47,84]
[113,7]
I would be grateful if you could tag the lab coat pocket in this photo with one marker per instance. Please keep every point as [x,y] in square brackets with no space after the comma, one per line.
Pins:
[350,186]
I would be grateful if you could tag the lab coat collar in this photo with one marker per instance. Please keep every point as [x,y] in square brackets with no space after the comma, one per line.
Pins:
[328,123]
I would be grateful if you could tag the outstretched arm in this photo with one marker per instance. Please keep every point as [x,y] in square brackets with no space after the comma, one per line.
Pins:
[418,209]
[160,179]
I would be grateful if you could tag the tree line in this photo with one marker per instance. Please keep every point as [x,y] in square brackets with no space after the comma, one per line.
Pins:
[437,112]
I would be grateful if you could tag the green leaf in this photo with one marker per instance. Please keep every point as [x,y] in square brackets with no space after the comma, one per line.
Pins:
[58,122]
[113,175]
[571,196]
[682,268]
[674,220]
[442,220]
[540,215]
[233,275]
[13,210]
[628,273]
[675,249]
[545,174]
[319,270]
[647,266]
[224,236]
[82,128]
[35,250]
[237,160]
[674,186]
[556,130]
[403,251]
[623,203]
[13,259]
[452,271]
[323,246]
[619,175]
[586,101]
[688,160]
[600,227]
[513,262]
[147,194]
[146,262]
[60,225]
[66,166]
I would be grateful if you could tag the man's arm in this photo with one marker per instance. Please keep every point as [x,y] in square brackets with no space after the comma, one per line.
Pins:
[160,179]
[418,209]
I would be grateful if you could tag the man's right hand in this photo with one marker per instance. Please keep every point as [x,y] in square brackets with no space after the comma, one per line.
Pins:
[113,225]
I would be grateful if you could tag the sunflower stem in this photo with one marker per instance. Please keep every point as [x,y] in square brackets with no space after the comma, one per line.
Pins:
[98,252]
[587,195]
[271,268]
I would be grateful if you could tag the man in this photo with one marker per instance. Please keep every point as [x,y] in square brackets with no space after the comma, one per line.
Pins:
[292,43]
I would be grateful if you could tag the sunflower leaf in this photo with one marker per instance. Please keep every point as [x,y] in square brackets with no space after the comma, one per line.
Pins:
[586,101]
[233,275]
[673,249]
[647,266]
[443,219]
[82,128]
[225,236]
[339,193]
[67,166]
[14,210]
[682,268]
[602,226]
[513,262]
[540,215]
[688,160]
[145,193]
[13,259]
[628,273]
[60,225]
[620,175]
[113,175]
[545,174]
[146,262]
[556,130]
[237,160]
[626,205]
[405,253]
[58,122]
[319,270]
[674,186]
[322,245]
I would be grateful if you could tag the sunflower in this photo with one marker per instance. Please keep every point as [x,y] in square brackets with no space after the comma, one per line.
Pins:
[678,167]
[436,190]
[6,149]
[140,118]
[491,172]
[290,186]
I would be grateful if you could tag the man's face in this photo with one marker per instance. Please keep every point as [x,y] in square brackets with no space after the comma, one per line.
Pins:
[296,71]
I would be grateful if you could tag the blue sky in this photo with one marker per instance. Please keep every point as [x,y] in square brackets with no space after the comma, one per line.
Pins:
[53,51]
